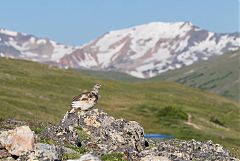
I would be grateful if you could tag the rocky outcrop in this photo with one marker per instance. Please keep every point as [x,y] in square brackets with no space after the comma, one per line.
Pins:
[98,133]
[93,136]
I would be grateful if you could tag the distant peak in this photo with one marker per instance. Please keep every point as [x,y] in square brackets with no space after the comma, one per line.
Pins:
[185,23]
[170,23]
[8,32]
[164,25]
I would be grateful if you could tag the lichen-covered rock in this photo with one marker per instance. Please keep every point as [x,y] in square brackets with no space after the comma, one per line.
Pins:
[87,157]
[18,141]
[61,134]
[106,134]
[97,132]
[154,158]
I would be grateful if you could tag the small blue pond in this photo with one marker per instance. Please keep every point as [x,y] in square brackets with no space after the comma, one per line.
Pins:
[158,136]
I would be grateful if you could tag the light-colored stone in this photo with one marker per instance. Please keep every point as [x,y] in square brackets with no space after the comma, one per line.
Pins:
[87,157]
[91,121]
[219,148]
[117,137]
[154,158]
[18,141]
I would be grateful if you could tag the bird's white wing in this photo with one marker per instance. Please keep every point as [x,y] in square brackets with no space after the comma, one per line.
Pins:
[83,105]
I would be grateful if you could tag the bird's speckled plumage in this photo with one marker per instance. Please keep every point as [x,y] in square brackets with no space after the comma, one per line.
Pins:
[86,100]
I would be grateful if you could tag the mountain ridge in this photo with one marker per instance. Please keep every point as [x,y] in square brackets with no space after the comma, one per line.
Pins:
[150,49]
[142,51]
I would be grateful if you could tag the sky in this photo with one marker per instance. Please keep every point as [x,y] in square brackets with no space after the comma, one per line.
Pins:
[75,22]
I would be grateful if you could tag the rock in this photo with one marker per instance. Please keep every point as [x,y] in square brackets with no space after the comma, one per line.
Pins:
[154,158]
[18,141]
[46,151]
[8,159]
[43,152]
[4,153]
[87,157]
[68,150]
[61,135]
[106,134]
[97,132]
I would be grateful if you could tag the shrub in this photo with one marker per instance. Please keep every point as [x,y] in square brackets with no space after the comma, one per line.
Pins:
[171,113]
[215,120]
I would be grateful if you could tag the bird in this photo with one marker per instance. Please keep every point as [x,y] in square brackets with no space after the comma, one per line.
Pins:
[85,100]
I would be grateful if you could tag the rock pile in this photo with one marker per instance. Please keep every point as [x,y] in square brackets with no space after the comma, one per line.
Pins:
[93,136]
[98,133]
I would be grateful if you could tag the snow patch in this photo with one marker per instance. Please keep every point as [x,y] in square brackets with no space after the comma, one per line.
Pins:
[60,50]
[32,40]
[136,74]
[106,57]
[8,32]
[41,41]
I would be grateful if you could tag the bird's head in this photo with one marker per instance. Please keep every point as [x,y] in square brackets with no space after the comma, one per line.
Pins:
[96,87]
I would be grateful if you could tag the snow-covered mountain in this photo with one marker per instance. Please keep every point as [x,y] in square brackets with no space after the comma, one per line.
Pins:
[147,50]
[23,46]
[142,51]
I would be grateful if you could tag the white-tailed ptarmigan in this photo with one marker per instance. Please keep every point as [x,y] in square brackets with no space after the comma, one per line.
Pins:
[85,100]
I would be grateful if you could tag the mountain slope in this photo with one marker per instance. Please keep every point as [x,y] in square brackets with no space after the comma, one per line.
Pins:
[219,74]
[39,92]
[23,46]
[147,50]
